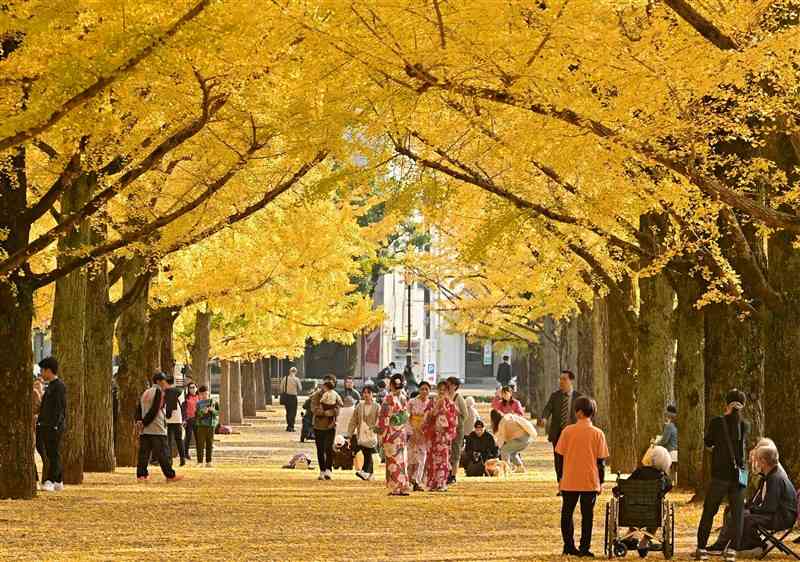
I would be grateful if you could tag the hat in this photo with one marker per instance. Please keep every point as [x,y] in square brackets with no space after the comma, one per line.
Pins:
[735,399]
[479,423]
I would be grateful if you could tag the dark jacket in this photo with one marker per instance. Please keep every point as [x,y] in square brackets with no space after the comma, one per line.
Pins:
[483,446]
[352,393]
[652,473]
[779,500]
[504,374]
[172,400]
[553,410]
[722,466]
[53,412]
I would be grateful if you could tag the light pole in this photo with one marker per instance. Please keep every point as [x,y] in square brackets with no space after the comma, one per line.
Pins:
[408,313]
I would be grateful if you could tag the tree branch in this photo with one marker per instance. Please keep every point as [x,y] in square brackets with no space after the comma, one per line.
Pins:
[703,25]
[126,300]
[101,83]
[70,173]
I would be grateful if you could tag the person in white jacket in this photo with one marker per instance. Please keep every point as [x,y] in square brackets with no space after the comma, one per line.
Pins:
[513,434]
[343,421]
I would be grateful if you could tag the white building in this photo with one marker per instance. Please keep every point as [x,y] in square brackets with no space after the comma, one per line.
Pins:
[436,352]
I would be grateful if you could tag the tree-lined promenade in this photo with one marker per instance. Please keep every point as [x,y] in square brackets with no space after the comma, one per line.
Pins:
[610,189]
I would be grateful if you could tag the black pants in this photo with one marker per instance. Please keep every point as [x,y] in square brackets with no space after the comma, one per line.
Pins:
[187,439]
[290,402]
[750,538]
[175,433]
[204,435]
[570,500]
[324,440]
[717,491]
[48,443]
[558,462]
[368,465]
[155,445]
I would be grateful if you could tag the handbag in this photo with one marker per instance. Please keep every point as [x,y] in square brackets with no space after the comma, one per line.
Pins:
[282,399]
[742,473]
[366,437]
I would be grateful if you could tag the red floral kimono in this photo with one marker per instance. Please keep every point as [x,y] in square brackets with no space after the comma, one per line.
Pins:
[394,440]
[440,429]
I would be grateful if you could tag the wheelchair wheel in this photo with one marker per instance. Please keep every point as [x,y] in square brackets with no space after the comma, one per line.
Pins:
[669,531]
[620,550]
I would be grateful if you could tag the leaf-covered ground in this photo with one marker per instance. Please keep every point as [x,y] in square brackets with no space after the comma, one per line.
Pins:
[248,508]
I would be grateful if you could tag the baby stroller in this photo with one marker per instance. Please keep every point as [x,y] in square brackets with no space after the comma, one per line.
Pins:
[307,430]
[642,512]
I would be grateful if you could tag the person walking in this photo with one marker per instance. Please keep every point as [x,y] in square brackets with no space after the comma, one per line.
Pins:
[290,388]
[560,411]
[151,422]
[174,414]
[505,403]
[418,407]
[206,423]
[350,391]
[584,450]
[189,413]
[325,426]
[392,424]
[504,372]
[50,425]
[363,431]
[440,428]
[726,437]
[453,384]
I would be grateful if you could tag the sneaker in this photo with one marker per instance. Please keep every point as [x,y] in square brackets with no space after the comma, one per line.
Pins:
[362,475]
[209,465]
[176,478]
[58,487]
[48,487]
[371,477]
[321,476]
[328,475]
[701,554]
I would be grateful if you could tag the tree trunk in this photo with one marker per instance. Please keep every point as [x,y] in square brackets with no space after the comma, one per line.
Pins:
[535,375]
[235,382]
[69,331]
[551,361]
[622,373]
[248,390]
[225,393]
[656,356]
[267,376]
[734,358]
[568,346]
[783,353]
[258,374]
[201,347]
[601,387]
[519,366]
[136,363]
[690,383]
[584,364]
[98,436]
[162,322]
[16,356]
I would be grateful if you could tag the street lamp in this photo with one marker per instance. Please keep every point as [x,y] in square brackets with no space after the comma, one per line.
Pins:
[408,305]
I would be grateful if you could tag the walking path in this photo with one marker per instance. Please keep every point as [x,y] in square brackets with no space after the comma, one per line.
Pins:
[248,508]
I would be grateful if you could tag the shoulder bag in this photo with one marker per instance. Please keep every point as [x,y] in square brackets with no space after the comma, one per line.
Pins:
[742,473]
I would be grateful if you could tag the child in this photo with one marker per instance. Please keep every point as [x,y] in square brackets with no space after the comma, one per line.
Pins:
[330,398]
[206,421]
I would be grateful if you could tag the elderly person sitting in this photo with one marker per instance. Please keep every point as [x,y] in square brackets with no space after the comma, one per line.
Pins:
[773,505]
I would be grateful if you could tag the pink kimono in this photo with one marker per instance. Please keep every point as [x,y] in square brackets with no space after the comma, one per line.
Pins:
[417,443]
[440,429]
[394,444]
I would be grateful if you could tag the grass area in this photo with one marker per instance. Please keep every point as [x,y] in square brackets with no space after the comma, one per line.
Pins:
[248,508]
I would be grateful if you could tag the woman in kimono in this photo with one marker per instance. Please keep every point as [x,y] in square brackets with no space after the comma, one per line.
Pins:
[440,429]
[392,424]
[417,443]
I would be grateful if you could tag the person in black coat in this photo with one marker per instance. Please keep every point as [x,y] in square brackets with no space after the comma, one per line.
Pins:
[50,425]
[480,447]
[560,411]
[726,437]
[504,372]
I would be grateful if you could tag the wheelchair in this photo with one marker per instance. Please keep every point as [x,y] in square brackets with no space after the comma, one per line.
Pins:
[638,508]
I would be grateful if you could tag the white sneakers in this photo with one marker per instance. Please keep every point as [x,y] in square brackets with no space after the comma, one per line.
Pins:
[325,475]
[58,487]
[50,487]
[321,475]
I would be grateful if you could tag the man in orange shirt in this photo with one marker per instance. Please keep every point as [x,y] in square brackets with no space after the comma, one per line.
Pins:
[584,449]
